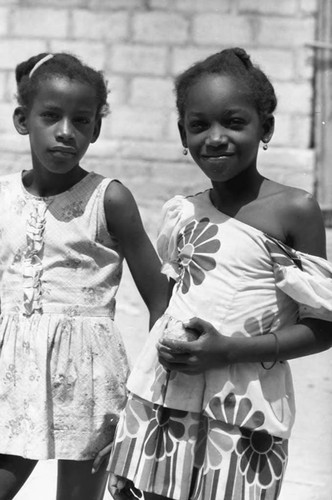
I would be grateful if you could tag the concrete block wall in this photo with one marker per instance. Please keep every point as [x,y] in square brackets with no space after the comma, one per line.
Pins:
[141,45]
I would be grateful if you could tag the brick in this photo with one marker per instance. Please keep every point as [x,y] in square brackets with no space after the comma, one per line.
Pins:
[136,122]
[55,3]
[292,131]
[10,90]
[4,20]
[216,6]
[91,53]
[224,30]
[152,92]
[294,97]
[183,57]
[304,63]
[114,4]
[172,130]
[6,122]
[157,27]
[281,7]
[118,87]
[14,51]
[150,150]
[278,64]
[308,6]
[47,23]
[285,32]
[3,85]
[139,59]
[100,25]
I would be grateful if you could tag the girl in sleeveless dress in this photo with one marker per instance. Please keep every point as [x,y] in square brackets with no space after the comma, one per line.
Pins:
[211,408]
[64,234]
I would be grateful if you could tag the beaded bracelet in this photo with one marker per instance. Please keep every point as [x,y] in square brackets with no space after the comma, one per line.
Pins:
[277,349]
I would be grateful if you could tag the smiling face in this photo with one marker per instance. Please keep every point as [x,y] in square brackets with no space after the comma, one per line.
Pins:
[222,128]
[61,123]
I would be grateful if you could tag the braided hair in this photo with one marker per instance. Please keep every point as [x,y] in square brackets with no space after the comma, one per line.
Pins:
[236,63]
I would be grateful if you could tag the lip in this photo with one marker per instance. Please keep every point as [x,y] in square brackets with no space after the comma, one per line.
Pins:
[217,156]
[62,150]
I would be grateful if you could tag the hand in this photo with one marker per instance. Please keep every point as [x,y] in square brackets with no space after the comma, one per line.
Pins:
[122,489]
[101,457]
[210,350]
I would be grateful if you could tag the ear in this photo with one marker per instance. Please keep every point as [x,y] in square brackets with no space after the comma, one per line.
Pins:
[96,131]
[268,128]
[182,134]
[20,116]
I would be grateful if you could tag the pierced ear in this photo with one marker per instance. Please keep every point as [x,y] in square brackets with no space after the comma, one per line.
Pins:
[20,116]
[268,128]
[96,130]
[182,134]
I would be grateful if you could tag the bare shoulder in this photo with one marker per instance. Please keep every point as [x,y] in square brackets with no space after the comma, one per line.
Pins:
[120,207]
[303,221]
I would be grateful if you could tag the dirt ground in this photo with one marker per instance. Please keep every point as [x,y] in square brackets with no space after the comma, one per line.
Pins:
[308,475]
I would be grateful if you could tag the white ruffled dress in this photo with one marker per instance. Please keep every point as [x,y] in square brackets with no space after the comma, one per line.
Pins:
[63,365]
[222,434]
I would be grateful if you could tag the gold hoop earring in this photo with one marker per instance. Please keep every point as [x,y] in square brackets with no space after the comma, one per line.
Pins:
[185,151]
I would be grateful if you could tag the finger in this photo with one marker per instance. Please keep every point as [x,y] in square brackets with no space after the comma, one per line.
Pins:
[198,324]
[100,457]
[175,345]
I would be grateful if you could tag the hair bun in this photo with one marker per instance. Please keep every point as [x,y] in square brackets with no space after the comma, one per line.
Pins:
[243,56]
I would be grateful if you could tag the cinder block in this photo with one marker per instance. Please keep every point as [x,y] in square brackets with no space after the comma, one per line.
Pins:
[183,57]
[14,51]
[155,27]
[277,64]
[118,90]
[100,24]
[90,52]
[225,30]
[152,92]
[4,20]
[280,8]
[6,122]
[139,59]
[216,6]
[285,32]
[294,97]
[39,22]
[136,122]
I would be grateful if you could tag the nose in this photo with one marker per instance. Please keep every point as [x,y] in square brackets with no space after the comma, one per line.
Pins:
[217,136]
[64,130]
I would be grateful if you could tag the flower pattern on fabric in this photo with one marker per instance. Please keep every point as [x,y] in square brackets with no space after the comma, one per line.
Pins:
[235,412]
[262,457]
[195,244]
[212,442]
[73,210]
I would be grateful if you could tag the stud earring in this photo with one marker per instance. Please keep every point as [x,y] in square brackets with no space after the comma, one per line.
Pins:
[265,147]
[185,151]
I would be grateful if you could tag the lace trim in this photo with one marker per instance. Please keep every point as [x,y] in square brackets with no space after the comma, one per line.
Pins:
[32,261]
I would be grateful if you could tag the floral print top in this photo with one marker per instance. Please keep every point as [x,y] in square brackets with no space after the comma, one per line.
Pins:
[246,284]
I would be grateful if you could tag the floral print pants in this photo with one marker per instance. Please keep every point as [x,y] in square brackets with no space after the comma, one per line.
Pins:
[189,456]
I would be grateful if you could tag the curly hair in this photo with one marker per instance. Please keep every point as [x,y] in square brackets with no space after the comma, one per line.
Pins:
[59,65]
[236,63]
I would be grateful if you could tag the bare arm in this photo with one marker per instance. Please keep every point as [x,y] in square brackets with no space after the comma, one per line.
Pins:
[125,223]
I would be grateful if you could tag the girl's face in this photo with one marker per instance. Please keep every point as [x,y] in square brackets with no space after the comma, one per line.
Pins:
[61,124]
[221,127]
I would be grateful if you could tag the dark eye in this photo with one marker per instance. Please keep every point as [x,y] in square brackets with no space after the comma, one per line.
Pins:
[236,123]
[49,115]
[83,120]
[197,126]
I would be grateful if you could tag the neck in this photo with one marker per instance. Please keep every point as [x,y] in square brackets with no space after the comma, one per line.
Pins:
[230,196]
[39,184]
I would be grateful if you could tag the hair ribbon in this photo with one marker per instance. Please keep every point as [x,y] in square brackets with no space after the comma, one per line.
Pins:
[39,63]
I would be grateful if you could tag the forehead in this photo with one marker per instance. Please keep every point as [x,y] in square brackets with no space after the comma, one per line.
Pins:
[213,92]
[66,93]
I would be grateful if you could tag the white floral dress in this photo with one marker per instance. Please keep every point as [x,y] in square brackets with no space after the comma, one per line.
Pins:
[223,434]
[63,365]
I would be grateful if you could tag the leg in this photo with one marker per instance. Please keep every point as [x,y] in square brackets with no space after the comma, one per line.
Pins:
[75,481]
[14,471]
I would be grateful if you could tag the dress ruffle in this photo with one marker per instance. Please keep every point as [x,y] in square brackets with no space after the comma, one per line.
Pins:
[307,279]
[32,262]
